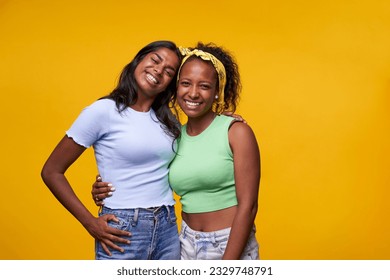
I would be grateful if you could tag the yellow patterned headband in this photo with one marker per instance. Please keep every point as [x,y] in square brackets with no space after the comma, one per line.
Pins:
[217,65]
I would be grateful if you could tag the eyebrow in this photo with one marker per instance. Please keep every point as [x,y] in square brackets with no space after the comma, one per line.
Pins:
[168,66]
[159,57]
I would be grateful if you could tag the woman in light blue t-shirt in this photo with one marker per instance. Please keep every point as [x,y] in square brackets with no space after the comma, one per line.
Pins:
[133,133]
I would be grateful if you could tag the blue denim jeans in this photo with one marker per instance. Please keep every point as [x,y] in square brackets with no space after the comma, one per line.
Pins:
[154,234]
[198,245]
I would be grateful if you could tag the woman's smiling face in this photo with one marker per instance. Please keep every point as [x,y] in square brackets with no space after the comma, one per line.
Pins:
[156,70]
[197,87]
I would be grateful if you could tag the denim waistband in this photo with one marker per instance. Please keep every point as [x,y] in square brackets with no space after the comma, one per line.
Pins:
[212,235]
[136,212]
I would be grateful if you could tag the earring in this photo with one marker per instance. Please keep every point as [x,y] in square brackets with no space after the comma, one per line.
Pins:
[216,97]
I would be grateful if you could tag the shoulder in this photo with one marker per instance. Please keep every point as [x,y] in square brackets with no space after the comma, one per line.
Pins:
[102,104]
[236,128]
[97,113]
[241,134]
[100,107]
[239,129]
[224,121]
[225,118]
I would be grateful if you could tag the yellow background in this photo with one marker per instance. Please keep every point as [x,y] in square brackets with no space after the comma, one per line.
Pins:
[316,91]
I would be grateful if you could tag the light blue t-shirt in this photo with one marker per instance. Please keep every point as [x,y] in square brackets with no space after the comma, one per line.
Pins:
[132,152]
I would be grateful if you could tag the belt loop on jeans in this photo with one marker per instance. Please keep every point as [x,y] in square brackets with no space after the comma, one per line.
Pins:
[214,237]
[169,213]
[154,209]
[136,212]
[183,229]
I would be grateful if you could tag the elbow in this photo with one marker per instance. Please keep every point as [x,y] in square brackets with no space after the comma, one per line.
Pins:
[44,174]
[47,172]
[253,210]
[250,209]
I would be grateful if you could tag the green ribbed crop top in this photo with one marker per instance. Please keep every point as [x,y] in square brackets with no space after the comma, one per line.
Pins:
[202,173]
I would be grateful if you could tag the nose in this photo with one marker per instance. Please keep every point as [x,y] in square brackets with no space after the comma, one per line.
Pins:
[158,69]
[193,92]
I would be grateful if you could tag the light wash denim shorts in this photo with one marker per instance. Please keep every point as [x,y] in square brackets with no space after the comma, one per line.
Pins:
[197,245]
[154,234]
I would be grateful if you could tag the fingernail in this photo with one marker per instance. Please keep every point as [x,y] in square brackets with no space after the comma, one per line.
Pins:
[109,184]
[109,194]
[99,178]
[112,189]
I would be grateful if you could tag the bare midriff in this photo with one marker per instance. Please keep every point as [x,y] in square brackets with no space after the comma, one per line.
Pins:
[210,221]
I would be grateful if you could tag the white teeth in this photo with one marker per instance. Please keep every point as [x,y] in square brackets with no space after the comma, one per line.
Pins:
[151,78]
[192,103]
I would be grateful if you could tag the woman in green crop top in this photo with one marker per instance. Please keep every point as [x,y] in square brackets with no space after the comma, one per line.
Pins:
[216,171]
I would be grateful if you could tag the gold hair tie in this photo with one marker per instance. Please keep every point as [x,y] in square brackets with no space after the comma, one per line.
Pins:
[216,63]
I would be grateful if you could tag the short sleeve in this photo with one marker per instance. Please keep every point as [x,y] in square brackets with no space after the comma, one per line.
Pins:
[91,124]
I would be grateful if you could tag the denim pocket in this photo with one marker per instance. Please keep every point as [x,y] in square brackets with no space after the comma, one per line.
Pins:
[122,224]
[221,244]
[251,251]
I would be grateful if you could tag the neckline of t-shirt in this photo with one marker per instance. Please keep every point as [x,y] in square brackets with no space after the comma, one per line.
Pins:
[140,113]
[203,133]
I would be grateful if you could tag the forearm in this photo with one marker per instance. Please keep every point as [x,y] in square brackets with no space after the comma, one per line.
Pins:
[61,189]
[240,231]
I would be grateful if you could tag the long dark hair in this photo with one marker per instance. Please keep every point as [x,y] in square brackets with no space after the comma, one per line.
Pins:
[125,93]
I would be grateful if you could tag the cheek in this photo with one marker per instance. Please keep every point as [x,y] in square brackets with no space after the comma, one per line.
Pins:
[167,81]
[210,98]
[179,97]
[179,91]
[137,75]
